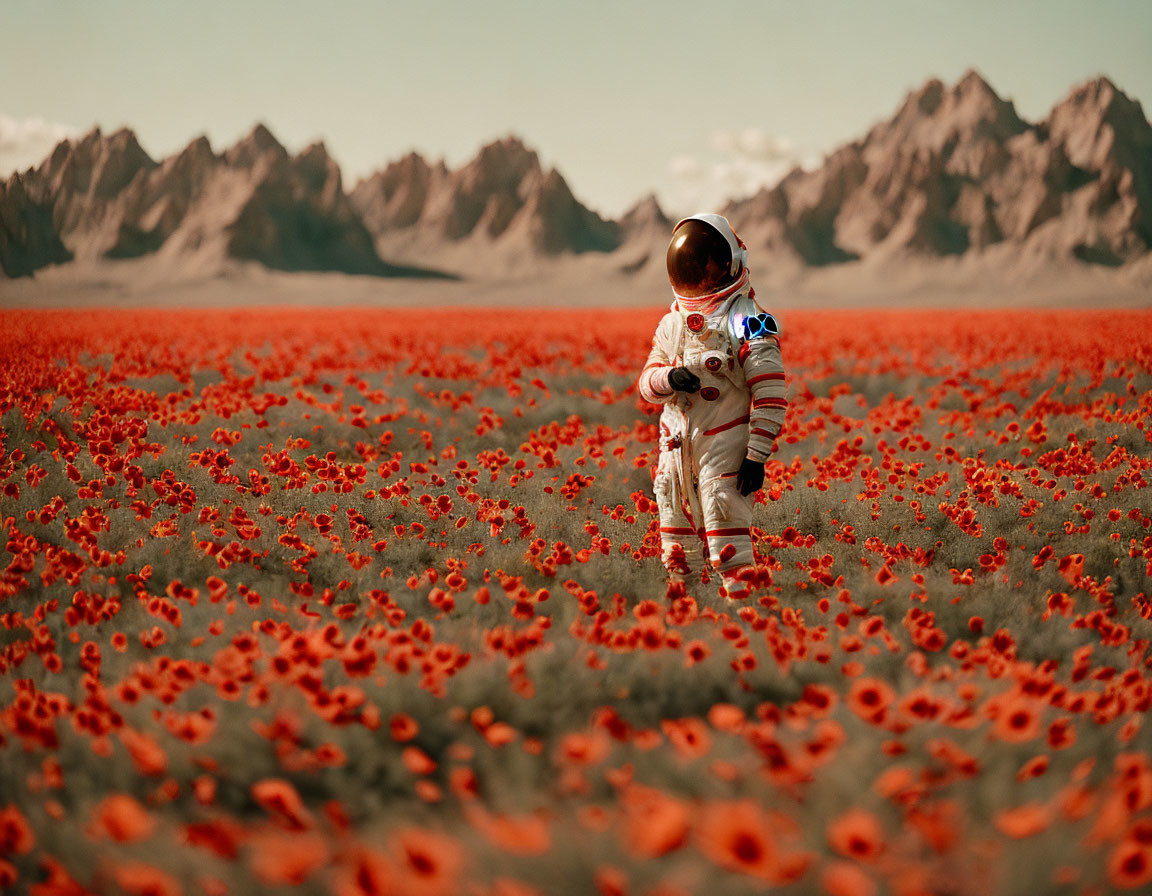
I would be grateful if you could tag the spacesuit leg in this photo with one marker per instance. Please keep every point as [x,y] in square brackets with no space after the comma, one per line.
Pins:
[682,551]
[727,514]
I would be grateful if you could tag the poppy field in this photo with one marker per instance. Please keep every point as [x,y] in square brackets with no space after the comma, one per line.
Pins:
[365,601]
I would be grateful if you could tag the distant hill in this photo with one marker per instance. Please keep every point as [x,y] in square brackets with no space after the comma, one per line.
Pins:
[501,207]
[956,171]
[103,197]
[954,182]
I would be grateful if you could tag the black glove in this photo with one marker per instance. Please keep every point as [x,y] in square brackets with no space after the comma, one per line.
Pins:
[750,477]
[683,380]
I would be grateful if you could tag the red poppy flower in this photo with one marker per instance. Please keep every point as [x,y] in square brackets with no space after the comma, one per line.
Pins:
[739,835]
[1023,821]
[520,834]
[282,801]
[845,879]
[1130,865]
[857,834]
[146,753]
[417,761]
[403,727]
[1018,719]
[689,736]
[654,822]
[16,837]
[139,879]
[869,697]
[280,857]
[122,818]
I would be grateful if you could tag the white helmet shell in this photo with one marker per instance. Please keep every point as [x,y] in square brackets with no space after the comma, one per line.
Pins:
[722,226]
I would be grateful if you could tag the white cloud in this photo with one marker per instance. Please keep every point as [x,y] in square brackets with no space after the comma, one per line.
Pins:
[26,142]
[733,165]
[752,143]
[684,166]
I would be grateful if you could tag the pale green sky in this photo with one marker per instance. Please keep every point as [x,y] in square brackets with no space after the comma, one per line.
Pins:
[690,100]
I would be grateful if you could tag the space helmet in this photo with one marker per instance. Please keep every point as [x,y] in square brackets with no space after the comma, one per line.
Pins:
[705,256]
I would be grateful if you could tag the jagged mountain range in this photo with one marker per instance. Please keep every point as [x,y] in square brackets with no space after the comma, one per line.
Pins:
[957,170]
[104,197]
[954,172]
[503,195]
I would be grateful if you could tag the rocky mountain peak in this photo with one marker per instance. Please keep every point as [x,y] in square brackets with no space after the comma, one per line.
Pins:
[94,165]
[409,165]
[502,199]
[259,143]
[500,166]
[956,170]
[318,169]
[198,149]
[972,83]
[508,154]
[936,115]
[395,197]
[925,100]
[645,216]
[1097,122]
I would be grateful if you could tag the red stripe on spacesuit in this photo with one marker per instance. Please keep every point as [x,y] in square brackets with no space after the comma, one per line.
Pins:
[677,530]
[745,531]
[770,403]
[757,431]
[728,425]
[764,376]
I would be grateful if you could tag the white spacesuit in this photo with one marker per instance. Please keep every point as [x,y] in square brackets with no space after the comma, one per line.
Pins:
[715,365]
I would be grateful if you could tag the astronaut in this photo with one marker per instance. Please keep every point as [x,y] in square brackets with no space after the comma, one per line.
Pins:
[715,366]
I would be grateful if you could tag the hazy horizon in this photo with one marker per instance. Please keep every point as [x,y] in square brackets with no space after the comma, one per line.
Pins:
[595,90]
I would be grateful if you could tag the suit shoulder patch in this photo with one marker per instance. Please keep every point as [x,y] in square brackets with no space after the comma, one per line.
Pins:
[758,326]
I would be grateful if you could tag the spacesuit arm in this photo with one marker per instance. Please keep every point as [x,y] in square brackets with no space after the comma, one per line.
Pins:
[764,376]
[653,384]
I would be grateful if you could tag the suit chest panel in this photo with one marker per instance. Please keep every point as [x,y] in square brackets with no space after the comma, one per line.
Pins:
[708,352]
